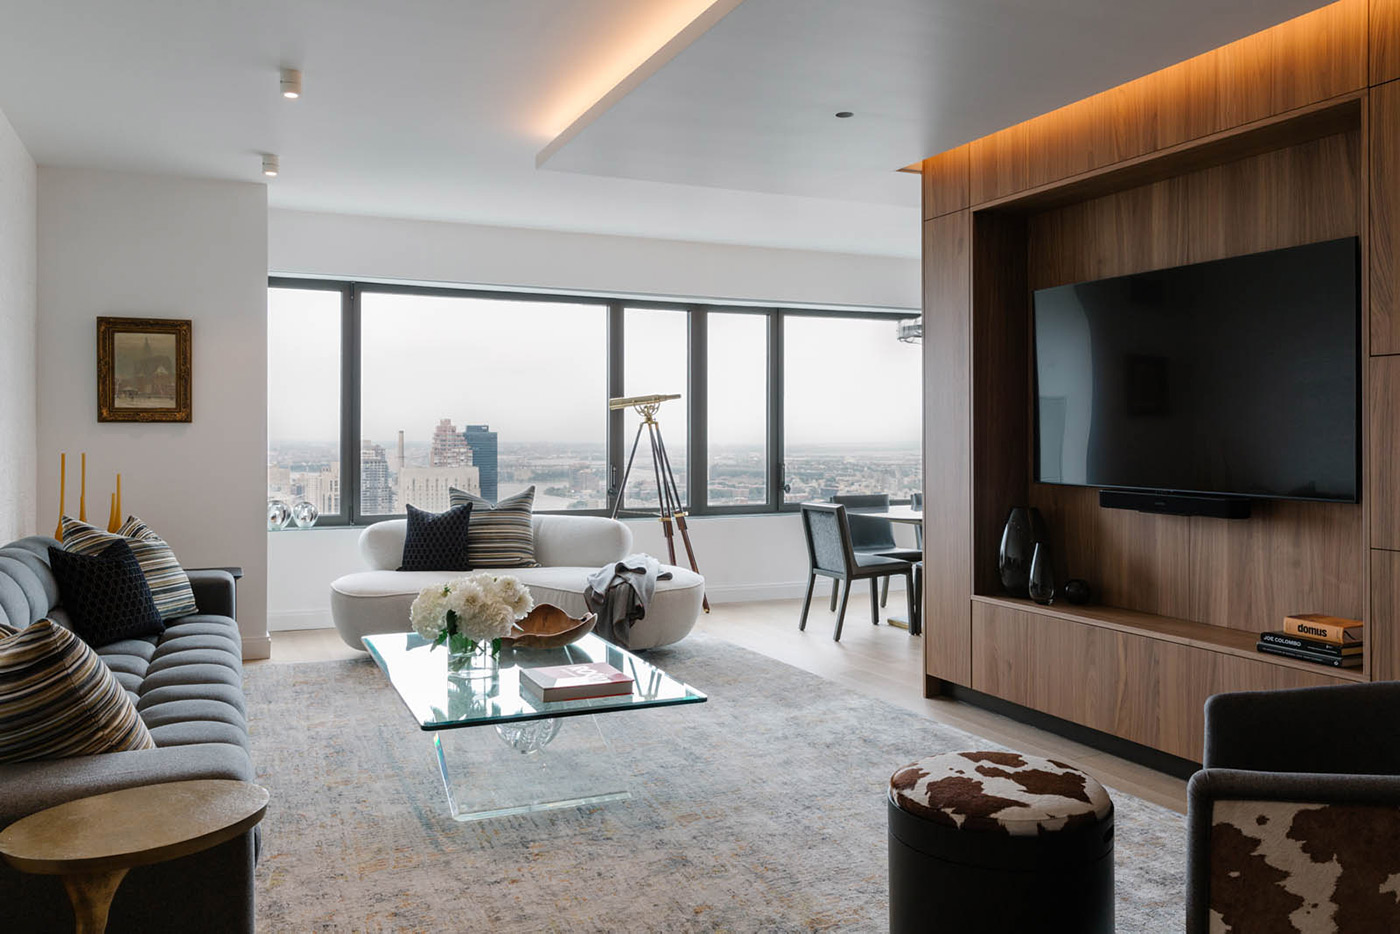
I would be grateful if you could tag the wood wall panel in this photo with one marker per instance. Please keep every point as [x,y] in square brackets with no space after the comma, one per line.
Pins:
[1319,55]
[1385,217]
[1142,689]
[1301,194]
[1385,40]
[1132,560]
[947,456]
[1127,232]
[1287,558]
[1382,488]
[945,182]
[1000,384]
[1383,623]
[1315,57]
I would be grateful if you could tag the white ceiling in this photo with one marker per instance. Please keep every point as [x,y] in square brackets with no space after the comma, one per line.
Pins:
[437,108]
[750,103]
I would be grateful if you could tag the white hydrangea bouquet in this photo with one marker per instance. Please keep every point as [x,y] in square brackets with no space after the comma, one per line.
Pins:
[471,615]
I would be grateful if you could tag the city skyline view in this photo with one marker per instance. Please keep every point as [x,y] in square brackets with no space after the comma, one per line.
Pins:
[448,363]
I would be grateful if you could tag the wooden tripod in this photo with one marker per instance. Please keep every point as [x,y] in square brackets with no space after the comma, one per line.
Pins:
[672,515]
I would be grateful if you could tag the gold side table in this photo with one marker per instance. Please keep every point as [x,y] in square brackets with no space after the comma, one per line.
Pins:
[92,842]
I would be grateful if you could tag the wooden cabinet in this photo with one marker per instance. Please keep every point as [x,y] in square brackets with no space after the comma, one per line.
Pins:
[1145,689]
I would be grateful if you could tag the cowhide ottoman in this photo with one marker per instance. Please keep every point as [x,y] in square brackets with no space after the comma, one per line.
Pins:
[998,841]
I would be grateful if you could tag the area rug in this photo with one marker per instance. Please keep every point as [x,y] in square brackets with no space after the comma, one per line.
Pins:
[761,810]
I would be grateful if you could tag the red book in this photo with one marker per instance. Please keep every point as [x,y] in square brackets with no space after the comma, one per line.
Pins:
[575,682]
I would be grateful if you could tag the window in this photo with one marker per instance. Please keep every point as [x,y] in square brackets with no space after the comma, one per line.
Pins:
[656,361]
[303,378]
[852,408]
[737,391]
[489,395]
[384,396]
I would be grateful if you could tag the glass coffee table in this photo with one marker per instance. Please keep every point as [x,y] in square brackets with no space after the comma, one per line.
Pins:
[503,751]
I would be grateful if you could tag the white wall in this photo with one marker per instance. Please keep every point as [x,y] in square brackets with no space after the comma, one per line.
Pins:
[18,187]
[166,247]
[742,558]
[346,246]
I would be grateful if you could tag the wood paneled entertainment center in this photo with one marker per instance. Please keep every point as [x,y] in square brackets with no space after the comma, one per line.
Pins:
[1287,137]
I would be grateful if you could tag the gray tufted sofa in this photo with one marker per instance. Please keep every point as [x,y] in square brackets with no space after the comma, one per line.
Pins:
[188,686]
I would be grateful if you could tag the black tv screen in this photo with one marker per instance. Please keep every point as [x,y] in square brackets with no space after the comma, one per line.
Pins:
[1234,377]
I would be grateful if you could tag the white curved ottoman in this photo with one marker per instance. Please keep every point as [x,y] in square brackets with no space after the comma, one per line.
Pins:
[569,548]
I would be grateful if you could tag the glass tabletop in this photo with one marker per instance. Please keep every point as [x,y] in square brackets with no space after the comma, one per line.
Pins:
[438,702]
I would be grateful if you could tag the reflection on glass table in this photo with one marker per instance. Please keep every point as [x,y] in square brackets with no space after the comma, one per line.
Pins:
[500,749]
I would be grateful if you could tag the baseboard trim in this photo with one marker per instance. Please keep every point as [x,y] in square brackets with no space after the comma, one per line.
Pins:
[1105,742]
[257,647]
[298,619]
[788,590]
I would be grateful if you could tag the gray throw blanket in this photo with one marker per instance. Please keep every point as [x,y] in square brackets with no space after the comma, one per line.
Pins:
[620,594]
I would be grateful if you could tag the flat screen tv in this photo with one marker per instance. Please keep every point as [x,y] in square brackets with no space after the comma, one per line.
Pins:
[1238,377]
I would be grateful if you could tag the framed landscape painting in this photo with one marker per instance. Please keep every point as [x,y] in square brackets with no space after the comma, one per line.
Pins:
[143,370]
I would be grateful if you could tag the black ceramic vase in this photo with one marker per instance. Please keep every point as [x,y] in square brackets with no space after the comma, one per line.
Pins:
[1024,528]
[1077,591]
[1042,580]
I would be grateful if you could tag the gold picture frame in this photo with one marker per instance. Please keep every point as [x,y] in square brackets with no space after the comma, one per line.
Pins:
[143,370]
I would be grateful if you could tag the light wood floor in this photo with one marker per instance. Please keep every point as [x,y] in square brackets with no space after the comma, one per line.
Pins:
[881,661]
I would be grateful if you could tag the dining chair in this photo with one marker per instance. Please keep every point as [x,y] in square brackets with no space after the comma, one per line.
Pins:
[830,553]
[916,503]
[873,535]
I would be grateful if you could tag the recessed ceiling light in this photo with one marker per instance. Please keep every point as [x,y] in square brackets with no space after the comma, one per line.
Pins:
[270,165]
[843,114]
[291,83]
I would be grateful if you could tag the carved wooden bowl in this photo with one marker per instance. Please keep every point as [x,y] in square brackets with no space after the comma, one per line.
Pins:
[548,627]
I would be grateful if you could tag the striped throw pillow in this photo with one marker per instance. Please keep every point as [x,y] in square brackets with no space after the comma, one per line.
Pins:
[57,699]
[170,585]
[500,536]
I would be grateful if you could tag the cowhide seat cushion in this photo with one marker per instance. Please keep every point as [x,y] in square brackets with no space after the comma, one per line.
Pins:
[999,792]
[1307,868]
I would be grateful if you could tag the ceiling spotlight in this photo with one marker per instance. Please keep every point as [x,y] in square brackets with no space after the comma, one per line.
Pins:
[270,165]
[843,114]
[291,83]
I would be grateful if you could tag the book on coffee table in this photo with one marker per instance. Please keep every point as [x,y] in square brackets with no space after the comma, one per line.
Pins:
[575,682]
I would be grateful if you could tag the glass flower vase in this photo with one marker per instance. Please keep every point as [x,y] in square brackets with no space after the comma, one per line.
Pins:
[467,658]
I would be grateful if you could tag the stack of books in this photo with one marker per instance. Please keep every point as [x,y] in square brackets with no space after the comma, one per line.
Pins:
[1312,637]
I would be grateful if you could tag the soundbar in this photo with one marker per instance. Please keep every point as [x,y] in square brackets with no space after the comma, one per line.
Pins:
[1176,504]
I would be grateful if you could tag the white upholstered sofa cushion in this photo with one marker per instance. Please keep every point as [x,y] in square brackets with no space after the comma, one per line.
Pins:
[560,541]
[569,548]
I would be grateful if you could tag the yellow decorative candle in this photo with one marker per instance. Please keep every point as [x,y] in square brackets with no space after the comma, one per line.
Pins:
[62,489]
[112,523]
[82,492]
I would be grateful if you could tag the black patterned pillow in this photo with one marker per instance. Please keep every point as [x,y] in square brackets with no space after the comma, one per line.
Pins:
[58,699]
[503,535]
[437,541]
[170,585]
[106,595]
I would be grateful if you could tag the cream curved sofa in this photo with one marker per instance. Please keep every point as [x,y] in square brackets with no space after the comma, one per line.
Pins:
[568,548]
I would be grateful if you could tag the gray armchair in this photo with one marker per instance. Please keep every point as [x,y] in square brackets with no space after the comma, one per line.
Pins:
[1294,821]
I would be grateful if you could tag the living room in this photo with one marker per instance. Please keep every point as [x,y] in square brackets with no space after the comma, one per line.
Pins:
[681,338]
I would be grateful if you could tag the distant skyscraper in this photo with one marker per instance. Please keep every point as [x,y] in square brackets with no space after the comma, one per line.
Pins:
[482,442]
[428,488]
[376,493]
[449,448]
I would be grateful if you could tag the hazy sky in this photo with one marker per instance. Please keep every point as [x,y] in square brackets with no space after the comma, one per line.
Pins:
[536,371]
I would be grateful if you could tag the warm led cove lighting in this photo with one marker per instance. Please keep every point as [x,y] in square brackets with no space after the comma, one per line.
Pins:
[291,84]
[270,165]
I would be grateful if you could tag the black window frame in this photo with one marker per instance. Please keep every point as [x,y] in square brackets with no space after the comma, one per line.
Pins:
[616,446]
